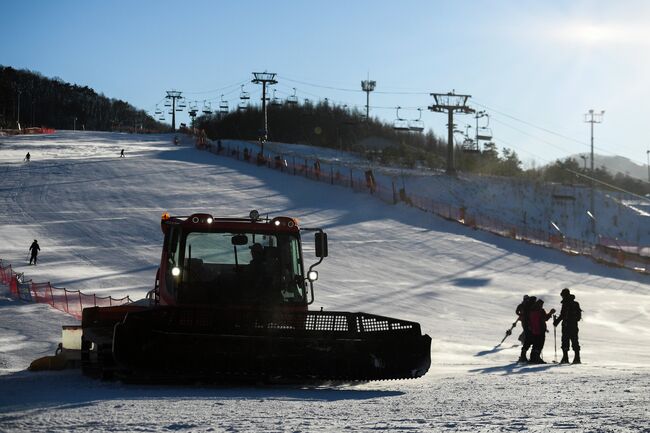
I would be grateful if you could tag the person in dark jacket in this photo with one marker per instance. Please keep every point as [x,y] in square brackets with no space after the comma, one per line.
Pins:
[525,337]
[34,249]
[570,314]
[537,318]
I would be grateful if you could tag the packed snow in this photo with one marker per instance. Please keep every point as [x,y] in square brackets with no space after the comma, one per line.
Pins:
[97,219]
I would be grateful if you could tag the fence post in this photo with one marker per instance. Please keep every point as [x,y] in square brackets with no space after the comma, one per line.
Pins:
[81,304]
[65,294]
[51,295]
[94,300]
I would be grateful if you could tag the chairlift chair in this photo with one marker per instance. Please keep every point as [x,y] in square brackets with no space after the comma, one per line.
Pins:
[243,95]
[275,102]
[400,124]
[484,133]
[207,107]
[416,125]
[292,99]
[469,146]
[242,106]
[182,103]
[223,106]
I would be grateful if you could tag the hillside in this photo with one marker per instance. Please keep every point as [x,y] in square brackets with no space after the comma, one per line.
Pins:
[53,103]
[96,217]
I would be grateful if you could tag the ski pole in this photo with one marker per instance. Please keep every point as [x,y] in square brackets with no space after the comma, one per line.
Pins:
[555,337]
[508,332]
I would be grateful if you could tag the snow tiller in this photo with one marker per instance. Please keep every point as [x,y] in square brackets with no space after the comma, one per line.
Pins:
[231,303]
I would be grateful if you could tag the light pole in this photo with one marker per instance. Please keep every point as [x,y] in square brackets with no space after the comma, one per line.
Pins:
[593,117]
[648,154]
[368,86]
[264,78]
[584,162]
[18,116]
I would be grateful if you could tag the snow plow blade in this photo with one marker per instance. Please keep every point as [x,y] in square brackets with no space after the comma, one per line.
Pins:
[181,343]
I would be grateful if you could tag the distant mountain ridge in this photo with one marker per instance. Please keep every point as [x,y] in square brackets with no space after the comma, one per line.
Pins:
[615,165]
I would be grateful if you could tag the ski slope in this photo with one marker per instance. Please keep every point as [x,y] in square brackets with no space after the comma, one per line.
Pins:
[96,217]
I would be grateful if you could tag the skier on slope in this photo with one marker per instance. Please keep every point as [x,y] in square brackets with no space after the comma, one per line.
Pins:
[570,314]
[525,337]
[27,157]
[537,318]
[34,249]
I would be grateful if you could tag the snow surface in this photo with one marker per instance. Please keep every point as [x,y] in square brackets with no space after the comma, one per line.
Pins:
[96,217]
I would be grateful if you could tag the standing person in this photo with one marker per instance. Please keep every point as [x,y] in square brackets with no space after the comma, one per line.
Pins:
[537,318]
[34,249]
[570,315]
[122,154]
[27,157]
[525,337]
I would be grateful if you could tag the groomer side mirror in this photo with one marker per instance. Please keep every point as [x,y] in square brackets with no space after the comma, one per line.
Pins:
[321,244]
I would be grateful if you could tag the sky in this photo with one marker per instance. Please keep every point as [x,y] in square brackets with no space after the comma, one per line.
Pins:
[536,67]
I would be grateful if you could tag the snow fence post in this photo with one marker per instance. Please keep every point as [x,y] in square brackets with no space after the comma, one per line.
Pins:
[65,293]
[51,295]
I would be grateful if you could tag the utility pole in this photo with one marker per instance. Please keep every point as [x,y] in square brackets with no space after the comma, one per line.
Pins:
[173,95]
[368,86]
[264,78]
[450,102]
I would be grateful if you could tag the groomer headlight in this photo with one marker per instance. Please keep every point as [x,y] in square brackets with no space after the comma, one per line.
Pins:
[209,220]
[176,271]
[284,222]
[312,276]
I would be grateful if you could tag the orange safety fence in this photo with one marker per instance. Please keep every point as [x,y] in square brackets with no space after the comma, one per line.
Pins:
[68,301]
[29,131]
[628,256]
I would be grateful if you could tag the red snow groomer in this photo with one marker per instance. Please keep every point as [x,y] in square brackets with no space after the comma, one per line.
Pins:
[231,303]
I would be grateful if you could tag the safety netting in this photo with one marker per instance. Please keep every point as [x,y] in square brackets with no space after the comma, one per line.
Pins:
[362,180]
[69,301]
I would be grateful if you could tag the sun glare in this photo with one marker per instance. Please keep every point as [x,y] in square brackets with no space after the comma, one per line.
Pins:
[588,33]
[591,33]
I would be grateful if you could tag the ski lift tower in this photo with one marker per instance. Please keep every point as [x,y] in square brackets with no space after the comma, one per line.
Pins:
[264,78]
[450,102]
[368,86]
[173,95]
